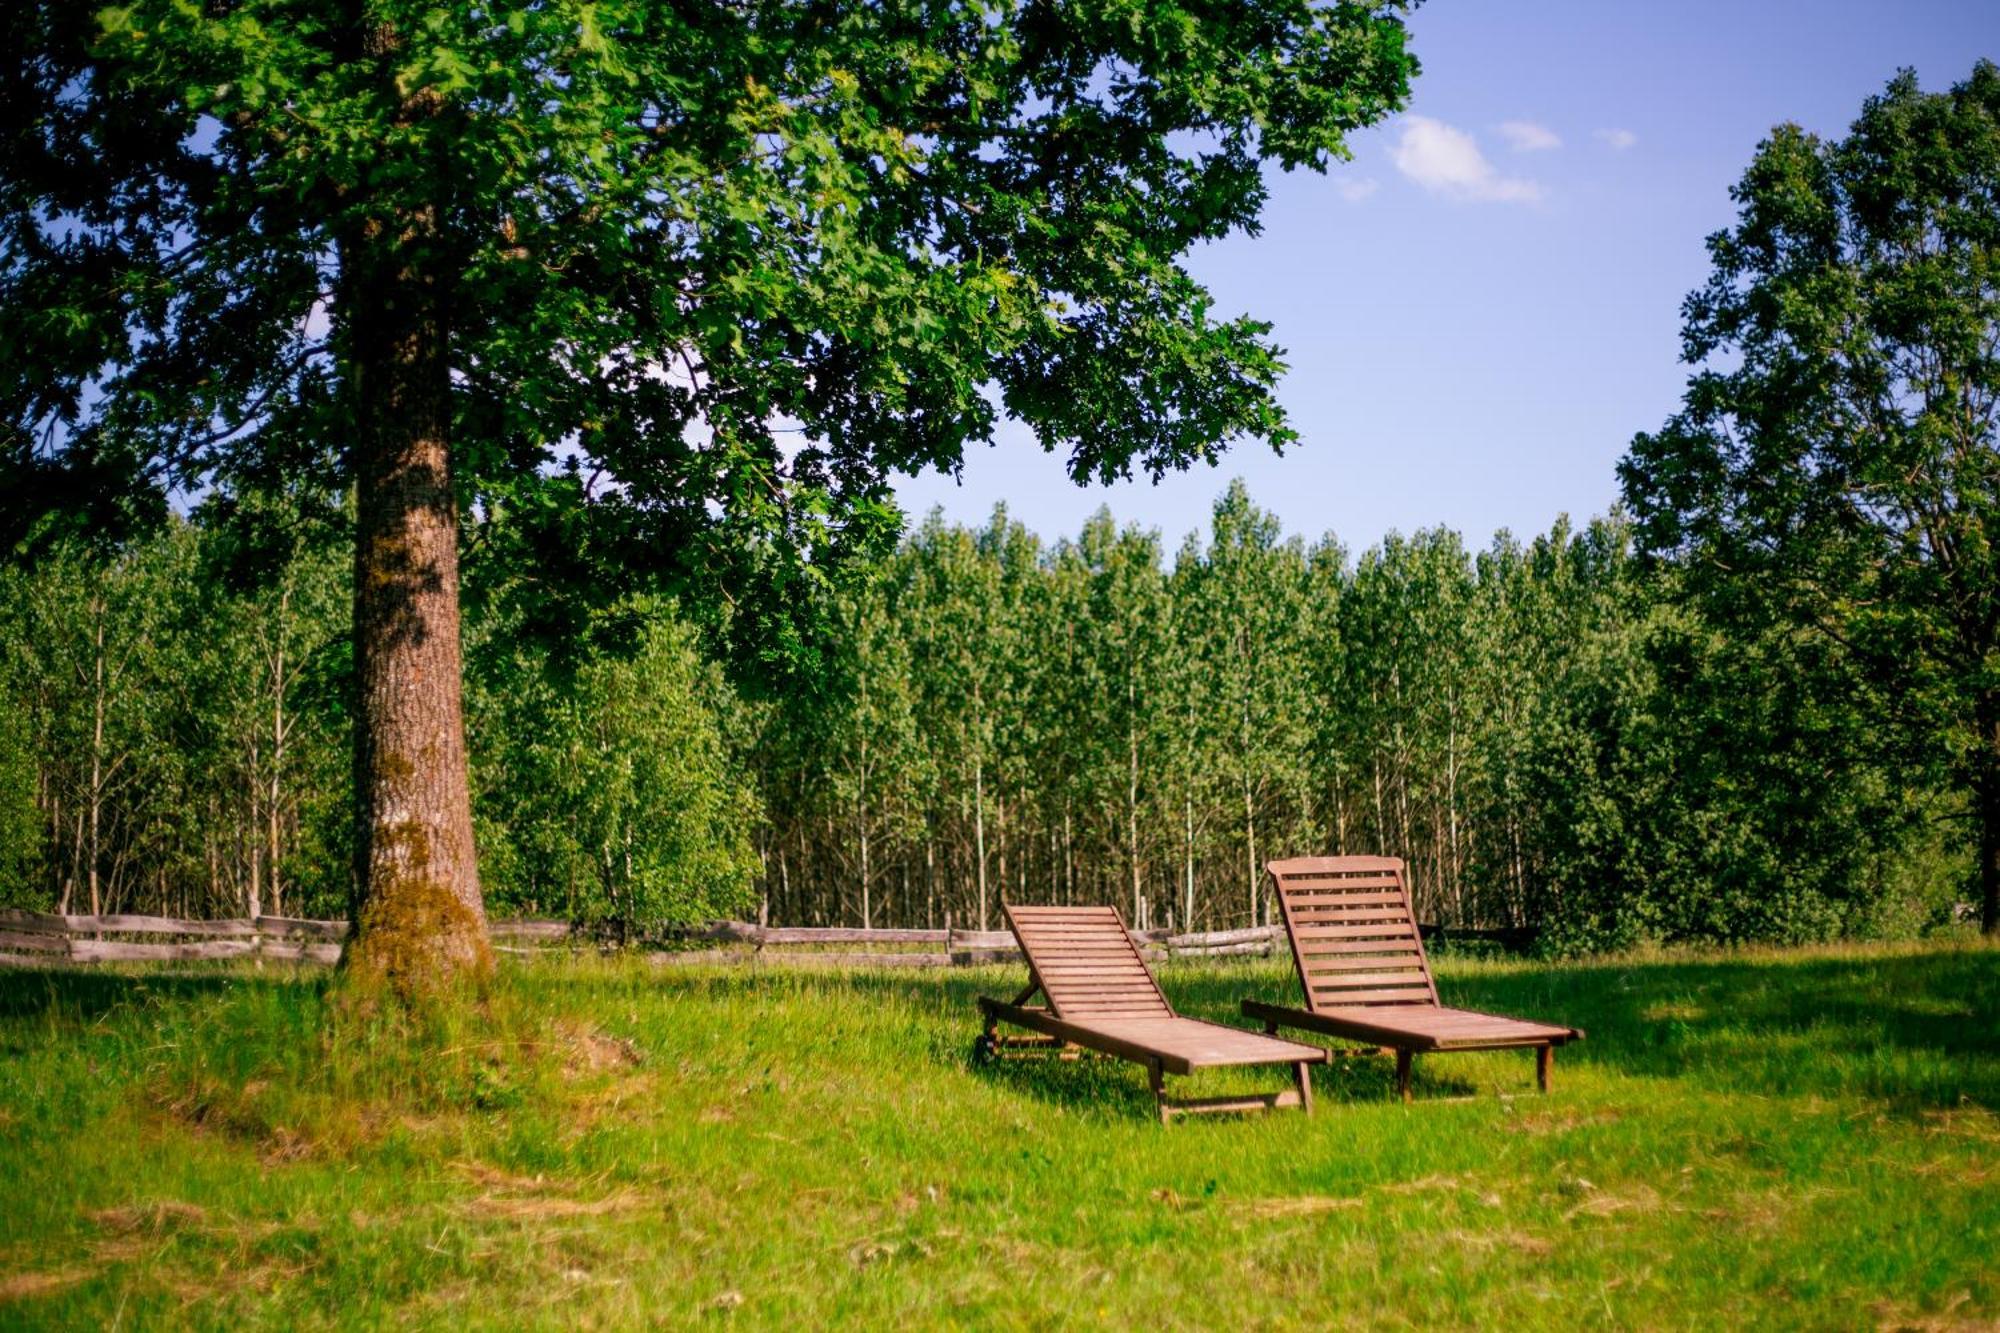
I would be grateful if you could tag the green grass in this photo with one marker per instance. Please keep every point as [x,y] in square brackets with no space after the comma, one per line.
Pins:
[1791,1139]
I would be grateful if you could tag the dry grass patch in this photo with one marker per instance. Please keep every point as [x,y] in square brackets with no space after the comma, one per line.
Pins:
[1539,1123]
[512,1197]
[1605,1203]
[1304,1205]
[1523,1243]
[26,1286]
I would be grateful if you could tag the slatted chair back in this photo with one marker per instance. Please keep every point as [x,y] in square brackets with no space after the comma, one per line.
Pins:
[1084,960]
[1354,935]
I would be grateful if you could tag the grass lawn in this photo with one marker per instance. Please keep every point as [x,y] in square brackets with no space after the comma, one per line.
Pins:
[1802,1139]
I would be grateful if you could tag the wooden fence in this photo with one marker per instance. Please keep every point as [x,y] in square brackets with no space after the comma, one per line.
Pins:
[44,939]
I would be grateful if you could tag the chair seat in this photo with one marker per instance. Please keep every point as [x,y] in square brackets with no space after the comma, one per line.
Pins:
[1201,1045]
[1435,1027]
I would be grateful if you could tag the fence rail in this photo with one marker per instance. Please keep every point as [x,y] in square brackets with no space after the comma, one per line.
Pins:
[43,939]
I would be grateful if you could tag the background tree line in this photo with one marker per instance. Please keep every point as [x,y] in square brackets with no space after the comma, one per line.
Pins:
[1553,734]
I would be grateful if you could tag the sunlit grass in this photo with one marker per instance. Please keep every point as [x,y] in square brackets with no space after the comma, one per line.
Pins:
[1783,1138]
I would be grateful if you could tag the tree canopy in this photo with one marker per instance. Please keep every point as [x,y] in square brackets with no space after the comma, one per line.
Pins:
[712,270]
[1835,465]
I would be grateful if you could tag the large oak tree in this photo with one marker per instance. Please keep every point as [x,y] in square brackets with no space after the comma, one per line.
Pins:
[1835,467]
[678,283]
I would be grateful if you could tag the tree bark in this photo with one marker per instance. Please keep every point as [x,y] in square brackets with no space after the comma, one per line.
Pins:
[1986,795]
[419,919]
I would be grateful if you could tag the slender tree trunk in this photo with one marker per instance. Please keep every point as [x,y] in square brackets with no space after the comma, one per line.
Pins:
[1000,827]
[272,804]
[96,754]
[420,920]
[1187,857]
[1132,799]
[1339,822]
[1986,792]
[1250,841]
[1451,806]
[1069,855]
[253,893]
[979,833]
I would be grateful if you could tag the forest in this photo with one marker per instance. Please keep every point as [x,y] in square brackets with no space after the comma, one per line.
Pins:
[1561,742]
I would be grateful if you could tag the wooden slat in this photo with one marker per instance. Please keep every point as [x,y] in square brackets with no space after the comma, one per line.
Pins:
[1349,966]
[1255,1101]
[1110,958]
[33,960]
[47,922]
[1259,947]
[1219,938]
[130,924]
[1339,887]
[1314,948]
[1128,969]
[984,939]
[530,930]
[1415,996]
[850,935]
[293,925]
[1097,967]
[1326,982]
[34,942]
[1345,899]
[299,953]
[819,959]
[1399,934]
[1332,909]
[1079,1004]
[119,951]
[1335,865]
[981,957]
[1065,993]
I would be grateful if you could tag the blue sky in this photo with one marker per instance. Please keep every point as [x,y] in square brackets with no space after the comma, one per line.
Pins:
[1482,308]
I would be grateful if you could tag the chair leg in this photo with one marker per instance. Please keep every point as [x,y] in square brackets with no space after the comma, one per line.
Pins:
[1303,1071]
[1545,1059]
[1157,1078]
[1403,1059]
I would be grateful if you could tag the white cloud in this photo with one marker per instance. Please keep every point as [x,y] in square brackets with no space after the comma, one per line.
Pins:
[1355,191]
[1447,160]
[1618,139]
[1526,136]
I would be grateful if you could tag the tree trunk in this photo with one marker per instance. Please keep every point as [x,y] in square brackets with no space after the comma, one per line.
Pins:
[273,808]
[979,833]
[420,920]
[96,753]
[1986,793]
[1132,799]
[1250,848]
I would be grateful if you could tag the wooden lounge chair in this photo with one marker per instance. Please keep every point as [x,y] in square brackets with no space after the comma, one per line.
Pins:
[1366,979]
[1102,997]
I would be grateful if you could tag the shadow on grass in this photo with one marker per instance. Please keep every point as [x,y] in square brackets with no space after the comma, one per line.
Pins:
[1918,1029]
[85,996]
[1915,1030]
